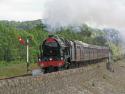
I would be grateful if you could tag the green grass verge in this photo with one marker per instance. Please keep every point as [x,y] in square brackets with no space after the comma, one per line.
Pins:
[14,68]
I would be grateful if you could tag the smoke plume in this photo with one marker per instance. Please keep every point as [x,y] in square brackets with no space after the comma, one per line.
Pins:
[109,13]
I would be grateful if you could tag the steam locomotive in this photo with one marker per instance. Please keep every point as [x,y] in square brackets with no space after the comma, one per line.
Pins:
[58,53]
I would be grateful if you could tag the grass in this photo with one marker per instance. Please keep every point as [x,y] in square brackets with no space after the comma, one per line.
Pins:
[14,68]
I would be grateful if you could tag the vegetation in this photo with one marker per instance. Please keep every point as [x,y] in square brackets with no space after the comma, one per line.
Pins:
[12,51]
[14,68]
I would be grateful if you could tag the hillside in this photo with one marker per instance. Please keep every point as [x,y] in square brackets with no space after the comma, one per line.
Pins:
[11,30]
[24,25]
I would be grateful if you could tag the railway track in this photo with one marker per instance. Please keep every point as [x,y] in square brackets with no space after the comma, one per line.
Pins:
[37,72]
[24,75]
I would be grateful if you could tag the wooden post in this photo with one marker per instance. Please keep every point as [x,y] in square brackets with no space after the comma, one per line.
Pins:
[27,54]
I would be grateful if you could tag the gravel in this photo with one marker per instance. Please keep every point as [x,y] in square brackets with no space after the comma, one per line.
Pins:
[92,79]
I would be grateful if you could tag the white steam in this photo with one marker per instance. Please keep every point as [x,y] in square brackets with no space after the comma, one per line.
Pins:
[110,13]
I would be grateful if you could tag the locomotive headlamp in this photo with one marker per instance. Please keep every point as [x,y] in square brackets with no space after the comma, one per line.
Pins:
[50,59]
[61,58]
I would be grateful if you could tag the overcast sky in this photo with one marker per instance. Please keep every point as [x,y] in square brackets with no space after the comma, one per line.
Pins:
[97,12]
[21,10]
